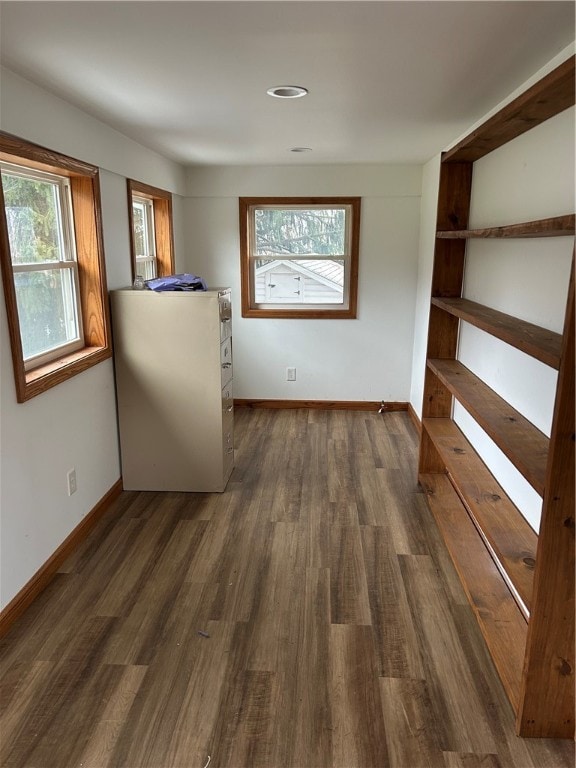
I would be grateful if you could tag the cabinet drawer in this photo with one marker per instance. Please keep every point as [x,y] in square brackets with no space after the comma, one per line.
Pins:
[227,401]
[226,361]
[228,442]
[225,307]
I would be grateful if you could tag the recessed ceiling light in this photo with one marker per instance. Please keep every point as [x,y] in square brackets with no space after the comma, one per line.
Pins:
[301,149]
[287,91]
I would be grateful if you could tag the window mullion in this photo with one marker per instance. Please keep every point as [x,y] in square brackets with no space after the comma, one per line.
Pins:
[68,234]
[42,266]
[151,231]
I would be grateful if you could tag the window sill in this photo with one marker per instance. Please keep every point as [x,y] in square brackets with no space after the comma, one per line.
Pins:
[38,380]
[301,314]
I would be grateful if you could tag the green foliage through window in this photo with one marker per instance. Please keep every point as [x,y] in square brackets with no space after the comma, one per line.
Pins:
[33,216]
[45,300]
[309,232]
[42,259]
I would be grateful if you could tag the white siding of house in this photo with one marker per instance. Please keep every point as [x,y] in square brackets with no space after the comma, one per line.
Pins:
[316,292]
[313,291]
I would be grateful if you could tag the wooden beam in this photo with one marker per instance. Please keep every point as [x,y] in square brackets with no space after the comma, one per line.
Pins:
[447,277]
[548,97]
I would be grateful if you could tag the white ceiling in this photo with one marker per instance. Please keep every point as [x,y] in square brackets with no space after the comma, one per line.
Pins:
[388,82]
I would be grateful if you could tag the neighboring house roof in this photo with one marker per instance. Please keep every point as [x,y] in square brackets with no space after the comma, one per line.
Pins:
[330,273]
[331,270]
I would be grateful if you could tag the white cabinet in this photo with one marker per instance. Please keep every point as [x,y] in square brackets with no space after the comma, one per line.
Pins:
[173,360]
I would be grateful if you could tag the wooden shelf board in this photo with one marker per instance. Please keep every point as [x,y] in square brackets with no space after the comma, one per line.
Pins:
[524,444]
[548,97]
[557,226]
[504,530]
[540,343]
[501,622]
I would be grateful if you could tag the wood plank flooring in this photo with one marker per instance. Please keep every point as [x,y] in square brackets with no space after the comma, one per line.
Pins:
[338,633]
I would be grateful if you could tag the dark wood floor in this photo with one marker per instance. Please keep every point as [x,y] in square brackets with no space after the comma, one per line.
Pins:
[338,634]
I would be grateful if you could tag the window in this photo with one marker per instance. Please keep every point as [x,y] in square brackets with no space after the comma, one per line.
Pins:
[40,234]
[151,237]
[144,239]
[299,257]
[52,265]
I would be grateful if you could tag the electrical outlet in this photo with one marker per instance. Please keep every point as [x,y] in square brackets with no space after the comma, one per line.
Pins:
[72,487]
[290,374]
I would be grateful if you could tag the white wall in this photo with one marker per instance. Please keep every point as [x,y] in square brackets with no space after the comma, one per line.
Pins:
[364,359]
[29,111]
[532,177]
[73,424]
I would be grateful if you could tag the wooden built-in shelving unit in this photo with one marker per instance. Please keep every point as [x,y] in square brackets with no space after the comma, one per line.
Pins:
[520,585]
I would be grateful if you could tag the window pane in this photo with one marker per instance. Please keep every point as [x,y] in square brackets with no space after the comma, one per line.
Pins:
[300,231]
[146,267]
[299,281]
[33,217]
[139,219]
[46,309]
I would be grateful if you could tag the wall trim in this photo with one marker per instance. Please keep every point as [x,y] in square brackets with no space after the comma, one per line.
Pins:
[333,405]
[415,419]
[45,574]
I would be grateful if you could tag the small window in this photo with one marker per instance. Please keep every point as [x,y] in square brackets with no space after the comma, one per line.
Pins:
[299,257]
[144,239]
[151,234]
[52,265]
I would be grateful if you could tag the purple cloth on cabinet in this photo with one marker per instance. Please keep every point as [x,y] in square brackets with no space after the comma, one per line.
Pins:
[182,282]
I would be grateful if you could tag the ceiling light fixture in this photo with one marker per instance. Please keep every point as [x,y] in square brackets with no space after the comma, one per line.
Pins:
[287,91]
[301,149]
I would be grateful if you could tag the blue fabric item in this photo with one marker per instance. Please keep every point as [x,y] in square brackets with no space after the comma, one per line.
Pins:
[183,282]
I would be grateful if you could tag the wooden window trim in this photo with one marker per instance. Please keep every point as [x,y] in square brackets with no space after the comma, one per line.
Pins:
[163,227]
[85,189]
[248,308]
